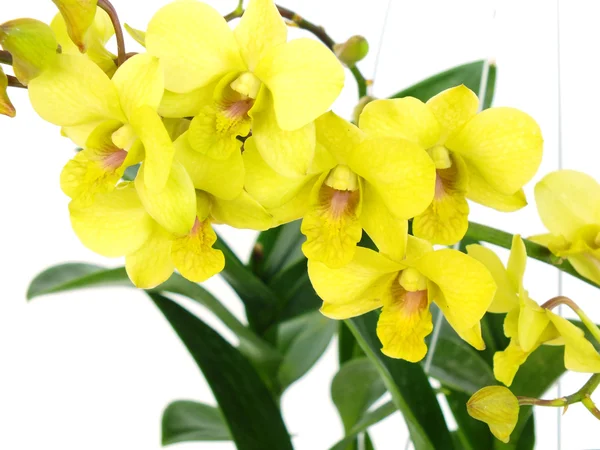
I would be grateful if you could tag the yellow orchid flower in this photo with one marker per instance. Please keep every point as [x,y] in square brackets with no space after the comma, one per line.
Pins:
[78,36]
[461,287]
[486,157]
[354,183]
[498,408]
[527,324]
[568,205]
[250,78]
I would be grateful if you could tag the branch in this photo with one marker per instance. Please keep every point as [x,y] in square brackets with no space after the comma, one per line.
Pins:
[14,82]
[107,6]
[5,58]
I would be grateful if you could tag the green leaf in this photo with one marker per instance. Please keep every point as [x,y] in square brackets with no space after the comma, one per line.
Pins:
[185,420]
[473,434]
[250,411]
[72,276]
[411,392]
[348,348]
[354,389]
[368,420]
[368,445]
[276,249]
[467,74]
[302,341]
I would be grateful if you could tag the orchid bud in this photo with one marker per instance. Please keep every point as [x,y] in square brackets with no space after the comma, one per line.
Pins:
[79,16]
[498,407]
[6,107]
[352,51]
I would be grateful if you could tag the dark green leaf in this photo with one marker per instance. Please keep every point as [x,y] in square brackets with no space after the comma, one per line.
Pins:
[302,341]
[411,392]
[250,411]
[368,445]
[473,434]
[348,348]
[185,420]
[467,74]
[276,249]
[354,389]
[368,420]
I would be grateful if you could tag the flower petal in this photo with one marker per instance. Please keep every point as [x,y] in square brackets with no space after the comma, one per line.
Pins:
[222,178]
[151,264]
[517,262]
[174,207]
[401,172]
[194,44]
[297,206]
[406,118]
[481,192]
[6,107]
[567,200]
[356,288]
[453,108]
[74,91]
[115,225]
[503,144]
[304,78]
[260,29]
[140,81]
[78,16]
[337,136]
[205,138]
[194,256]
[242,212]
[175,106]
[467,286]
[587,265]
[508,361]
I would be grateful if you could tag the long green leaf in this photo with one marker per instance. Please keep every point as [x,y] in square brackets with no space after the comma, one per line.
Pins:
[250,411]
[185,421]
[72,276]
[467,74]
[411,392]
[368,420]
[276,249]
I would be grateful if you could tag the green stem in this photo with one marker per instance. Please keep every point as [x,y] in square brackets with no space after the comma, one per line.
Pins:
[491,235]
[562,300]
[589,404]
[107,6]
[5,58]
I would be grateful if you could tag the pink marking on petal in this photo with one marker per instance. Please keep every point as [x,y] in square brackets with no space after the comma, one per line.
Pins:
[415,301]
[339,202]
[440,190]
[239,109]
[114,159]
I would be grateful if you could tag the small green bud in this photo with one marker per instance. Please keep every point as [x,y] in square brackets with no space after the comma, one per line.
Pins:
[498,407]
[352,51]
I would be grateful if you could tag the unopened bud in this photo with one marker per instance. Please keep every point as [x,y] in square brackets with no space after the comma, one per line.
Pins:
[498,407]
[79,16]
[6,107]
[352,51]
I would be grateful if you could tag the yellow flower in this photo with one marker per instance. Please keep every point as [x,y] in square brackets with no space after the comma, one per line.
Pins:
[568,205]
[527,324]
[249,78]
[354,183]
[461,287]
[486,157]
[498,407]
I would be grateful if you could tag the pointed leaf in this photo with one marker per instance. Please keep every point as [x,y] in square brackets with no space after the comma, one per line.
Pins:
[185,421]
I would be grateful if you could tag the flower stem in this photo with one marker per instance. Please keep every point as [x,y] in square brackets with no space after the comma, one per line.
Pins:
[491,235]
[5,58]
[589,324]
[107,6]
[14,82]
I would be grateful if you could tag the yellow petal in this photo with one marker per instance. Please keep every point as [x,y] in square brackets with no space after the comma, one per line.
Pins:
[174,207]
[138,36]
[503,144]
[32,46]
[567,200]
[338,136]
[356,288]
[415,247]
[587,265]
[532,323]
[260,29]
[242,212]
[297,206]
[404,323]
[453,108]
[115,225]
[304,78]
[151,264]
[222,178]
[401,172]
[498,407]
[508,361]
[62,96]
[332,225]
[268,187]
[289,153]
[405,118]
[580,354]
[174,105]
[387,232]
[6,107]
[481,192]
[139,82]
[176,127]
[79,16]
[79,134]
[157,144]
[517,262]
[467,286]
[505,299]
[471,335]
[194,44]
[194,256]
[205,137]
[445,221]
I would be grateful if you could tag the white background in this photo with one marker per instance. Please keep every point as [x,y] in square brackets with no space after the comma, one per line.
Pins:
[94,369]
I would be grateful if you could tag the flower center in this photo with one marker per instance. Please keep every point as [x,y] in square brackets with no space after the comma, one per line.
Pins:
[412,280]
[342,178]
[440,156]
[114,160]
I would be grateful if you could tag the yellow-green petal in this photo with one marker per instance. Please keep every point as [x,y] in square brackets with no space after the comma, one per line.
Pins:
[242,212]
[356,288]
[406,118]
[304,78]
[79,16]
[194,44]
[587,265]
[151,264]
[503,144]
[6,107]
[337,136]
[297,206]
[517,261]
[453,108]
[498,407]
[173,207]
[508,361]
[260,29]
[205,137]
[174,105]
[481,192]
